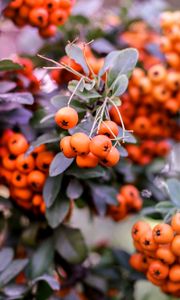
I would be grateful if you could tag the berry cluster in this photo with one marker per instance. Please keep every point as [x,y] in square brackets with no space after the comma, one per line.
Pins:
[170,41]
[140,36]
[89,152]
[149,108]
[24,79]
[45,15]
[62,76]
[158,252]
[145,152]
[24,175]
[129,200]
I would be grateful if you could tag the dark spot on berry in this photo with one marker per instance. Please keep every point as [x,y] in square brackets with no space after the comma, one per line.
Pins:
[25,166]
[45,166]
[158,232]
[12,157]
[64,123]
[18,177]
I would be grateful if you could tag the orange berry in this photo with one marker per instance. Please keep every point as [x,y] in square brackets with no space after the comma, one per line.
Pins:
[15,3]
[147,241]
[174,273]
[138,262]
[175,222]
[19,180]
[24,194]
[109,128]
[43,160]
[36,180]
[87,161]
[138,229]
[163,234]
[66,147]
[38,16]
[100,146]
[165,255]
[58,17]
[48,32]
[66,117]
[25,164]
[80,143]
[157,73]
[9,162]
[175,246]
[17,144]
[118,212]
[37,200]
[112,158]
[158,270]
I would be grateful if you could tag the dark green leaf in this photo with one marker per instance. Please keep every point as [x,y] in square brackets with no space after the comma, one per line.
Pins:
[52,282]
[12,271]
[84,126]
[103,195]
[6,256]
[46,138]
[76,53]
[164,207]
[58,211]
[41,259]
[173,185]
[74,189]
[70,244]
[86,173]
[59,164]
[9,65]
[51,189]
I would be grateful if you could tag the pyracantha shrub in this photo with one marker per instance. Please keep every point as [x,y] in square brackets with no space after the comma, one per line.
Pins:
[45,15]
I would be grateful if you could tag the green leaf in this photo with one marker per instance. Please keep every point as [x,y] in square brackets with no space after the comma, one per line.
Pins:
[164,207]
[173,185]
[70,244]
[84,126]
[58,211]
[41,259]
[12,271]
[129,137]
[123,152]
[76,53]
[59,164]
[62,101]
[51,281]
[119,86]
[108,62]
[103,195]
[6,256]
[59,101]
[51,189]
[86,95]
[87,173]
[74,189]
[46,138]
[123,63]
[9,65]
